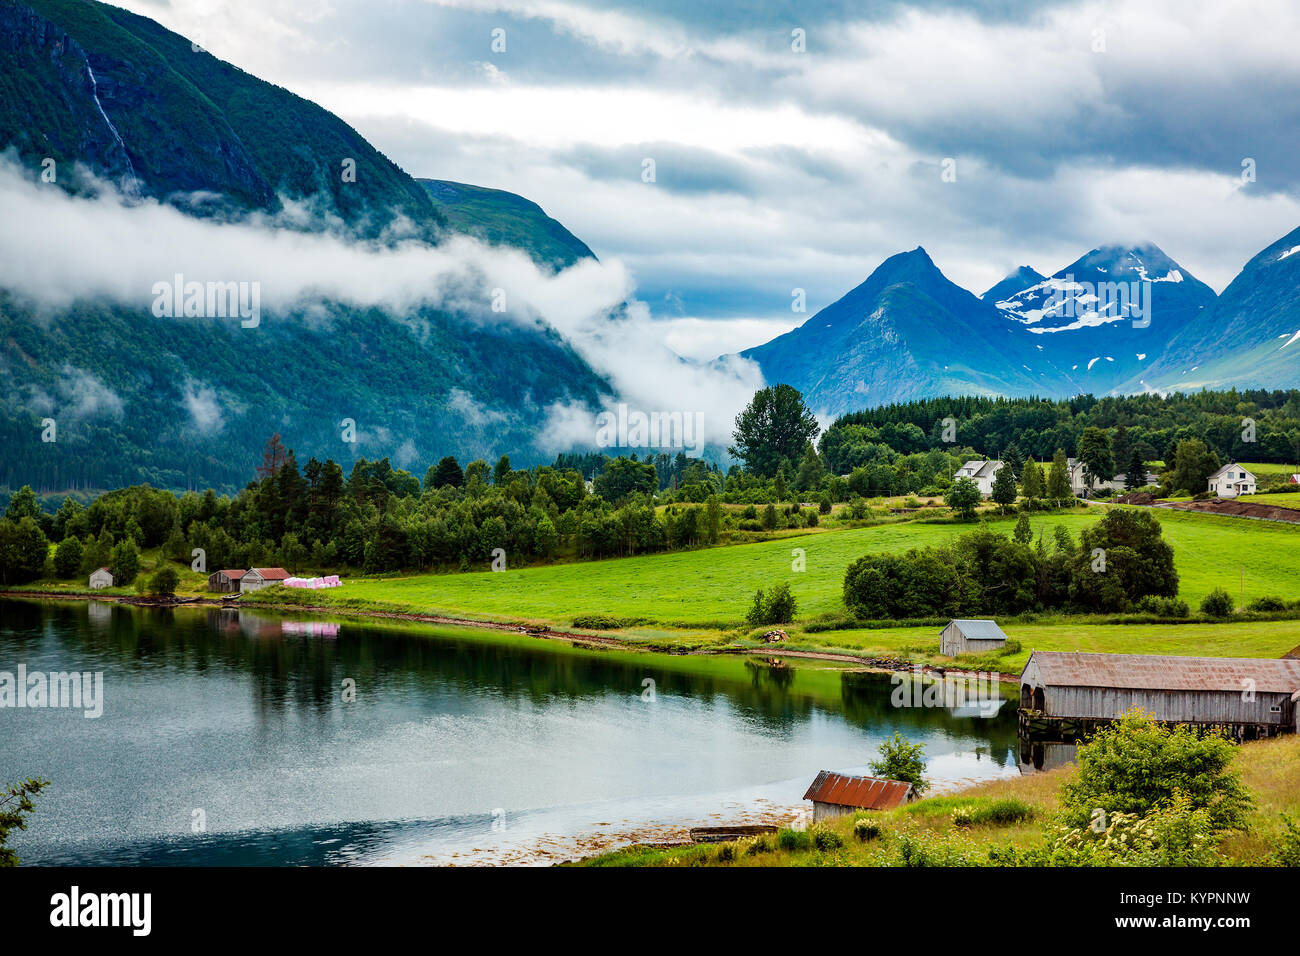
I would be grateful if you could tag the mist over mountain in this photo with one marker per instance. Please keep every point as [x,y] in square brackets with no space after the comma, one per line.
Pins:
[152,159]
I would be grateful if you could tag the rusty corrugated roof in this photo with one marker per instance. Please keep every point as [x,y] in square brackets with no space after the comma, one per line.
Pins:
[235,573]
[1164,672]
[272,574]
[870,793]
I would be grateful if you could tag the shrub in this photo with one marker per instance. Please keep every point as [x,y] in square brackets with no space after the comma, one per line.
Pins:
[1218,603]
[1266,603]
[760,844]
[824,838]
[1169,834]
[790,839]
[811,519]
[1136,764]
[605,622]
[726,853]
[866,830]
[165,581]
[1288,847]
[1163,606]
[824,505]
[910,851]
[778,606]
[962,817]
[1003,811]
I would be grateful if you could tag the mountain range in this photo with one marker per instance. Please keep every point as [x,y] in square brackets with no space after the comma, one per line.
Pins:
[1117,320]
[95,89]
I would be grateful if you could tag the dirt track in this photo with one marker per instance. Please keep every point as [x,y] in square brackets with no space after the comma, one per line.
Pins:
[1236,508]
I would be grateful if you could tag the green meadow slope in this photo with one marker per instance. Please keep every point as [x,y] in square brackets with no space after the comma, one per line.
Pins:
[711,588]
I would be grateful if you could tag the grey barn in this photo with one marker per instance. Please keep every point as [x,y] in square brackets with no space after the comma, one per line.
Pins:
[1247,697]
[970,637]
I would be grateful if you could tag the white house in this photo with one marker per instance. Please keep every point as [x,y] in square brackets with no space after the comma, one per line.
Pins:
[258,578]
[1232,480]
[101,578]
[1079,481]
[980,472]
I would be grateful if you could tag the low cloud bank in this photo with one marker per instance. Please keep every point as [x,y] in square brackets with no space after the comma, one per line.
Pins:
[57,249]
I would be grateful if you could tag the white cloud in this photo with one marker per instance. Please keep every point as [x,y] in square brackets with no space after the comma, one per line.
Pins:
[76,248]
[203,406]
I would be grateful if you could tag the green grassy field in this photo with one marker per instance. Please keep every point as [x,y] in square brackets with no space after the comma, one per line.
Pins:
[713,587]
[1269,468]
[1283,500]
[1236,639]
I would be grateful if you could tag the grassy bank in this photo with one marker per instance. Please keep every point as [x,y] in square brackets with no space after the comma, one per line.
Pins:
[712,587]
[690,600]
[1269,769]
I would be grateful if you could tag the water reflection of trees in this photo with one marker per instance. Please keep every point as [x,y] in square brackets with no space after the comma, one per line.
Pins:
[867,701]
[306,671]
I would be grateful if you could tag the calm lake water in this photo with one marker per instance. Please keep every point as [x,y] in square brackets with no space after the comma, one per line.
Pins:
[461,746]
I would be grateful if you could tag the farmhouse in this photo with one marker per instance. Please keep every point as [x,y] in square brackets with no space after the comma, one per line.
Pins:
[1232,480]
[101,578]
[835,794]
[1081,488]
[980,472]
[225,581]
[258,578]
[1072,692]
[970,637]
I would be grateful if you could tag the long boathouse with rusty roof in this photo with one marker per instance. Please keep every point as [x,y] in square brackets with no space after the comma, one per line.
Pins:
[1072,693]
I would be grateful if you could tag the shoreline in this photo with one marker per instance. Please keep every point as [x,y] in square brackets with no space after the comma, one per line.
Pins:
[577,639]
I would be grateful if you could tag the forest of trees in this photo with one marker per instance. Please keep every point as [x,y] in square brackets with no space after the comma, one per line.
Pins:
[987,573]
[1037,427]
[375,518]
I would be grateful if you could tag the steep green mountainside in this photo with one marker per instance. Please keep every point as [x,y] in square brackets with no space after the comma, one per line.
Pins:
[501,217]
[87,82]
[190,402]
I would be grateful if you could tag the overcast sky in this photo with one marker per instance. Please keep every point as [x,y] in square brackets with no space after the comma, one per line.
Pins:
[1069,126]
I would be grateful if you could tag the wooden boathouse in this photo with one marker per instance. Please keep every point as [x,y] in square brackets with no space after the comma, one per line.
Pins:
[1067,694]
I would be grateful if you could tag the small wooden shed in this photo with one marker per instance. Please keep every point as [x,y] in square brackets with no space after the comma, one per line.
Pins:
[971,637]
[101,578]
[257,578]
[226,580]
[837,794]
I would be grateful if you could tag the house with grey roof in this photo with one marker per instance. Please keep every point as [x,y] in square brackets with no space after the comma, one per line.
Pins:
[980,472]
[971,637]
[1232,480]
